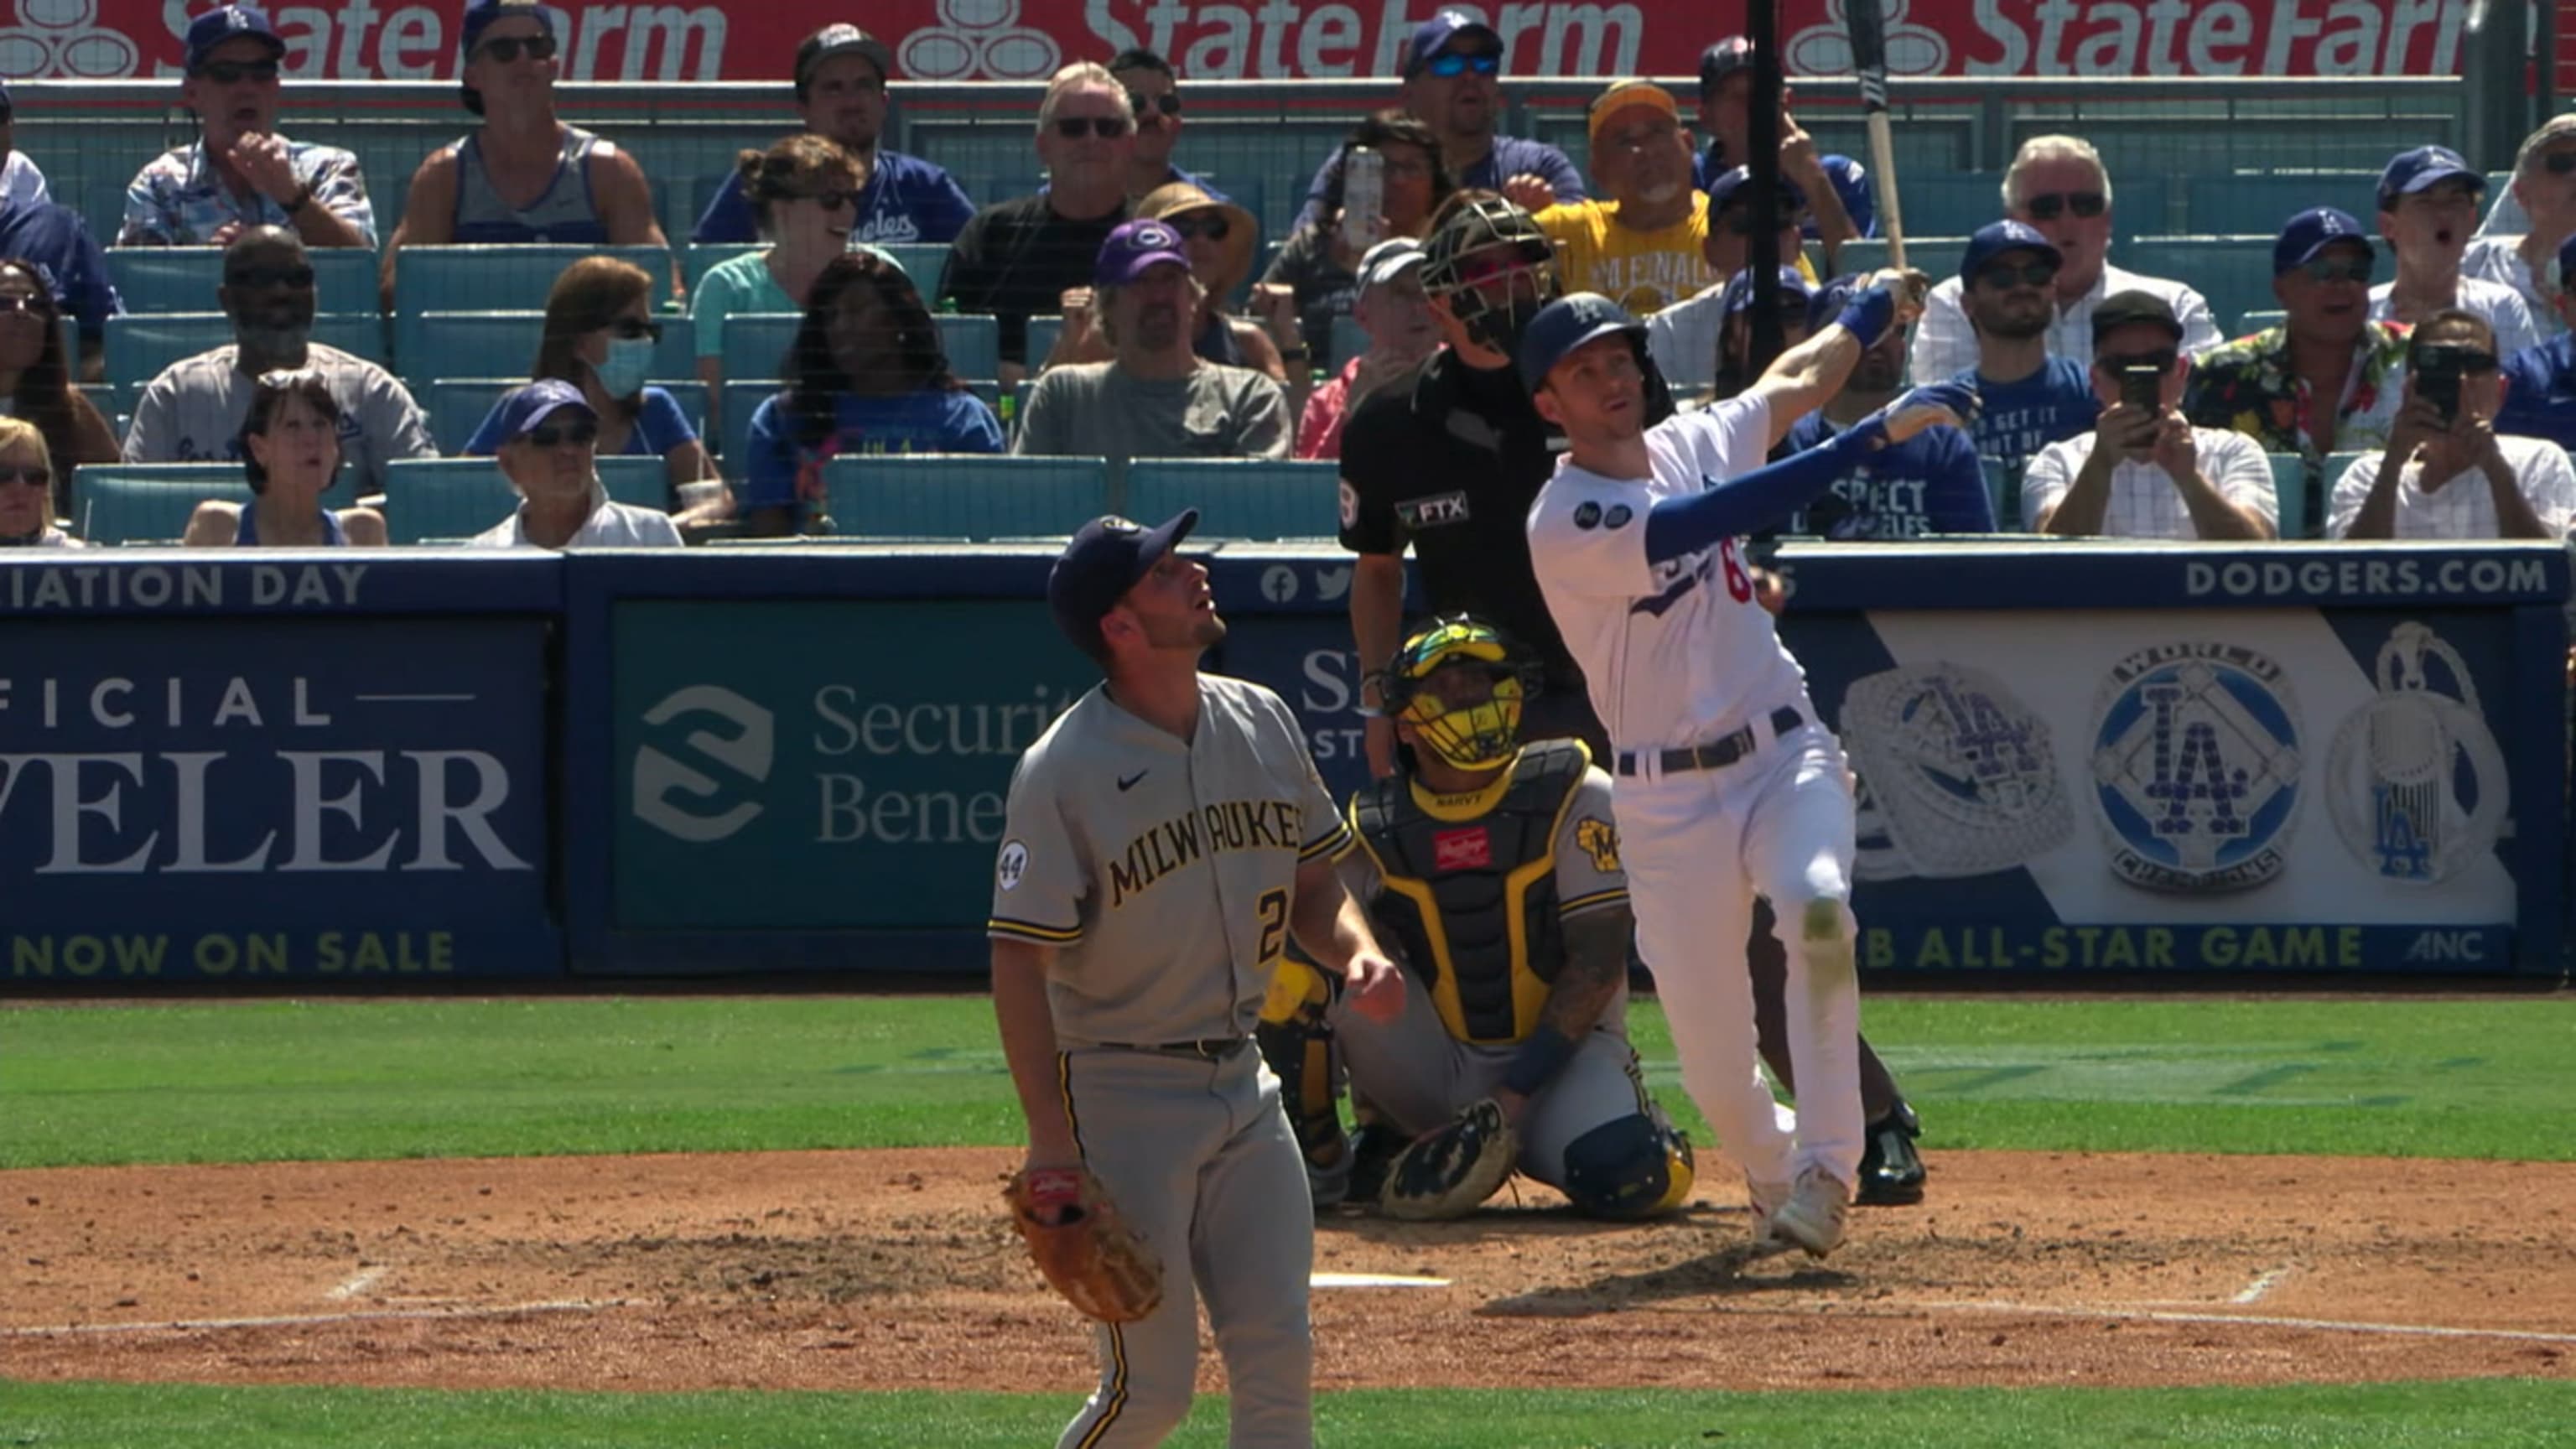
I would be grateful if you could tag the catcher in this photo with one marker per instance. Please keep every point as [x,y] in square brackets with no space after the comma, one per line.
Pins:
[1492,871]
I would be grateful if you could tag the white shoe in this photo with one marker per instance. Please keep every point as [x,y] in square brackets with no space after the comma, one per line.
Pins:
[1767,1201]
[1814,1216]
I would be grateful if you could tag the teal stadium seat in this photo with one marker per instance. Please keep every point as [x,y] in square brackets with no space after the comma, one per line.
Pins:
[755,346]
[2233,273]
[445,500]
[973,344]
[922,262]
[1239,497]
[457,406]
[480,344]
[961,496]
[2290,483]
[1043,332]
[140,345]
[184,279]
[2245,203]
[742,398]
[492,278]
[134,503]
[2003,490]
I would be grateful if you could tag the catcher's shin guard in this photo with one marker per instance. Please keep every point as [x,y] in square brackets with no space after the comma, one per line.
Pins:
[1298,1044]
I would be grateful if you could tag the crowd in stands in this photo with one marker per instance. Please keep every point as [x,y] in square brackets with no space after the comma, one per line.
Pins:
[2419,381]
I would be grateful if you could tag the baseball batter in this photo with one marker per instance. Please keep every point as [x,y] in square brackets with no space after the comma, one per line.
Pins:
[1493,868]
[1727,783]
[1165,838]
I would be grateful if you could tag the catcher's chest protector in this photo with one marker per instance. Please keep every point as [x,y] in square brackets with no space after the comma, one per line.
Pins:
[1472,899]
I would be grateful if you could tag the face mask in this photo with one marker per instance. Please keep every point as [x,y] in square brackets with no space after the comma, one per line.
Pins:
[629,360]
[1500,325]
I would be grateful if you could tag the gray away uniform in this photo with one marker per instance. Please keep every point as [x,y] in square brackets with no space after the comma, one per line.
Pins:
[1163,873]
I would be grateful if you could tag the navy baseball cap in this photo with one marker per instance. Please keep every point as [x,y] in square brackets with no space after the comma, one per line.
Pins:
[1568,323]
[1998,237]
[1739,290]
[531,405]
[217,26]
[1135,247]
[2314,230]
[2123,309]
[1102,562]
[1722,190]
[1433,36]
[2423,168]
[1724,59]
[482,15]
[842,39]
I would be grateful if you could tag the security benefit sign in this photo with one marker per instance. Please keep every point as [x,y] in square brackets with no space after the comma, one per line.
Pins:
[237,800]
[817,765]
[2279,789]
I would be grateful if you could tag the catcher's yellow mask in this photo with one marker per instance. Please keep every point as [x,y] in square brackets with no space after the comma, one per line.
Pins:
[1462,684]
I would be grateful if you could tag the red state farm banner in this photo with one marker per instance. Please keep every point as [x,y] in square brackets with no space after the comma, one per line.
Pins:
[938,40]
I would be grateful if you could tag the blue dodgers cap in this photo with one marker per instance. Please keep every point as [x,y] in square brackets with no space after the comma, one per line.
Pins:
[523,410]
[482,15]
[228,23]
[1135,248]
[1723,189]
[2421,169]
[2311,232]
[1724,59]
[1739,290]
[1433,36]
[1101,563]
[1998,237]
[1566,324]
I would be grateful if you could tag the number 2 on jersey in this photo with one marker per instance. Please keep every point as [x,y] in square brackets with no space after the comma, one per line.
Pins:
[1739,584]
[1272,908]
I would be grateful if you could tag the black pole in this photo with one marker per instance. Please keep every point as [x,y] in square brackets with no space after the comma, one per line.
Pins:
[1762,140]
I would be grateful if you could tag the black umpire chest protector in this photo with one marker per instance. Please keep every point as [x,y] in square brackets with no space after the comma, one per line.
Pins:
[1469,894]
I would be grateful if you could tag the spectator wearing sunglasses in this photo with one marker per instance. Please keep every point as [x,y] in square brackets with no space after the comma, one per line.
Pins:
[599,338]
[866,374]
[290,451]
[22,181]
[2057,186]
[522,175]
[1020,257]
[2149,472]
[2026,398]
[1315,278]
[192,412]
[2274,386]
[239,172]
[1924,487]
[27,489]
[841,75]
[1156,397]
[548,445]
[2447,473]
[2540,380]
[38,387]
[1452,71]
[1684,337]
[58,244]
[2544,187]
[1844,205]
[1643,247]
[2427,199]
[1154,93]
[1217,237]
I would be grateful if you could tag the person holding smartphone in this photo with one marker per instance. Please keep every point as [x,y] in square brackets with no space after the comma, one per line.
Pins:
[2446,472]
[2144,471]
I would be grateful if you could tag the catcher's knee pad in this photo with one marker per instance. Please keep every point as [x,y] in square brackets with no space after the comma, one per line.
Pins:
[1635,1166]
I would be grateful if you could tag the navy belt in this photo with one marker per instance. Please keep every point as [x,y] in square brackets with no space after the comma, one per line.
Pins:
[1214,1048]
[1716,754]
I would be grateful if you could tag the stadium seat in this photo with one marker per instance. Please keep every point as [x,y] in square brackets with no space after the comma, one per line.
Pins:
[2232,273]
[2003,490]
[493,278]
[741,399]
[1043,332]
[922,262]
[184,279]
[959,496]
[973,344]
[2290,482]
[701,259]
[118,503]
[435,500]
[482,344]
[2245,203]
[1238,498]
[755,346]
[140,345]
[458,405]
[1349,341]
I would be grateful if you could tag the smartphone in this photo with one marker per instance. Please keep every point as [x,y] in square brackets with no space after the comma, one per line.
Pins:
[2437,376]
[1363,197]
[2142,388]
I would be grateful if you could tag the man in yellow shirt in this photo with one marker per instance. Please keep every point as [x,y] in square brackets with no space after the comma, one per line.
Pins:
[1641,248]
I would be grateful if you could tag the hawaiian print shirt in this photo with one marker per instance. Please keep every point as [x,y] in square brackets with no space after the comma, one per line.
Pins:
[179,200]
[2247,385]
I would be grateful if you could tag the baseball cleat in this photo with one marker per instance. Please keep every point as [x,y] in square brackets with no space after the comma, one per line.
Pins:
[1891,1171]
[1328,1169]
[1813,1218]
[1766,1201]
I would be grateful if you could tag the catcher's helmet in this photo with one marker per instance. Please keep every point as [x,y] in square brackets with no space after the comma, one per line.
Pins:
[1481,736]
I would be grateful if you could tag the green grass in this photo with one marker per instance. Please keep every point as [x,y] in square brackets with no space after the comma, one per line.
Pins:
[2491,1414]
[337,1080]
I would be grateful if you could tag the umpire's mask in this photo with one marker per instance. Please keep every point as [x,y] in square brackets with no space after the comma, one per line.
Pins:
[1493,266]
[1462,684]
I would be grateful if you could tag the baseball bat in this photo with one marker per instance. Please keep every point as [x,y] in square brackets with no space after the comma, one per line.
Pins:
[1868,22]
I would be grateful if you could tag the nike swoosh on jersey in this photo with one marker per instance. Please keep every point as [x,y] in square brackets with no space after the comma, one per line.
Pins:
[1129,783]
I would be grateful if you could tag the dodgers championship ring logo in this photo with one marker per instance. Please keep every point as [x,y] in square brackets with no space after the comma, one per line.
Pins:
[2415,781]
[1957,774]
[2196,767]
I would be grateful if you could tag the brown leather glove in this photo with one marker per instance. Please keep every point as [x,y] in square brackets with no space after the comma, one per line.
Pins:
[1082,1245]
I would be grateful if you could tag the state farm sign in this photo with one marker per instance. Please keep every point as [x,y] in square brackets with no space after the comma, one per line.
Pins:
[945,40]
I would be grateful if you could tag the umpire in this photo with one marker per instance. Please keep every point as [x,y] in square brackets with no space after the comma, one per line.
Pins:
[1450,466]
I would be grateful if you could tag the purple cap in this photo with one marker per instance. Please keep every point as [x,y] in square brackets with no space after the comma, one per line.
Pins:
[1738,295]
[1133,248]
[217,26]
[482,15]
[1433,36]
[1723,189]
[2314,230]
[1998,237]
[1724,59]
[2421,169]
[531,405]
[1101,563]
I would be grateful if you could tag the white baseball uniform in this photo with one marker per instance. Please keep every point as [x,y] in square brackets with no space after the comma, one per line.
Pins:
[1680,656]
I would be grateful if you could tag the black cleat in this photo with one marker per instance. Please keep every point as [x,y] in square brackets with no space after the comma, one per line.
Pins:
[1374,1148]
[1891,1171]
